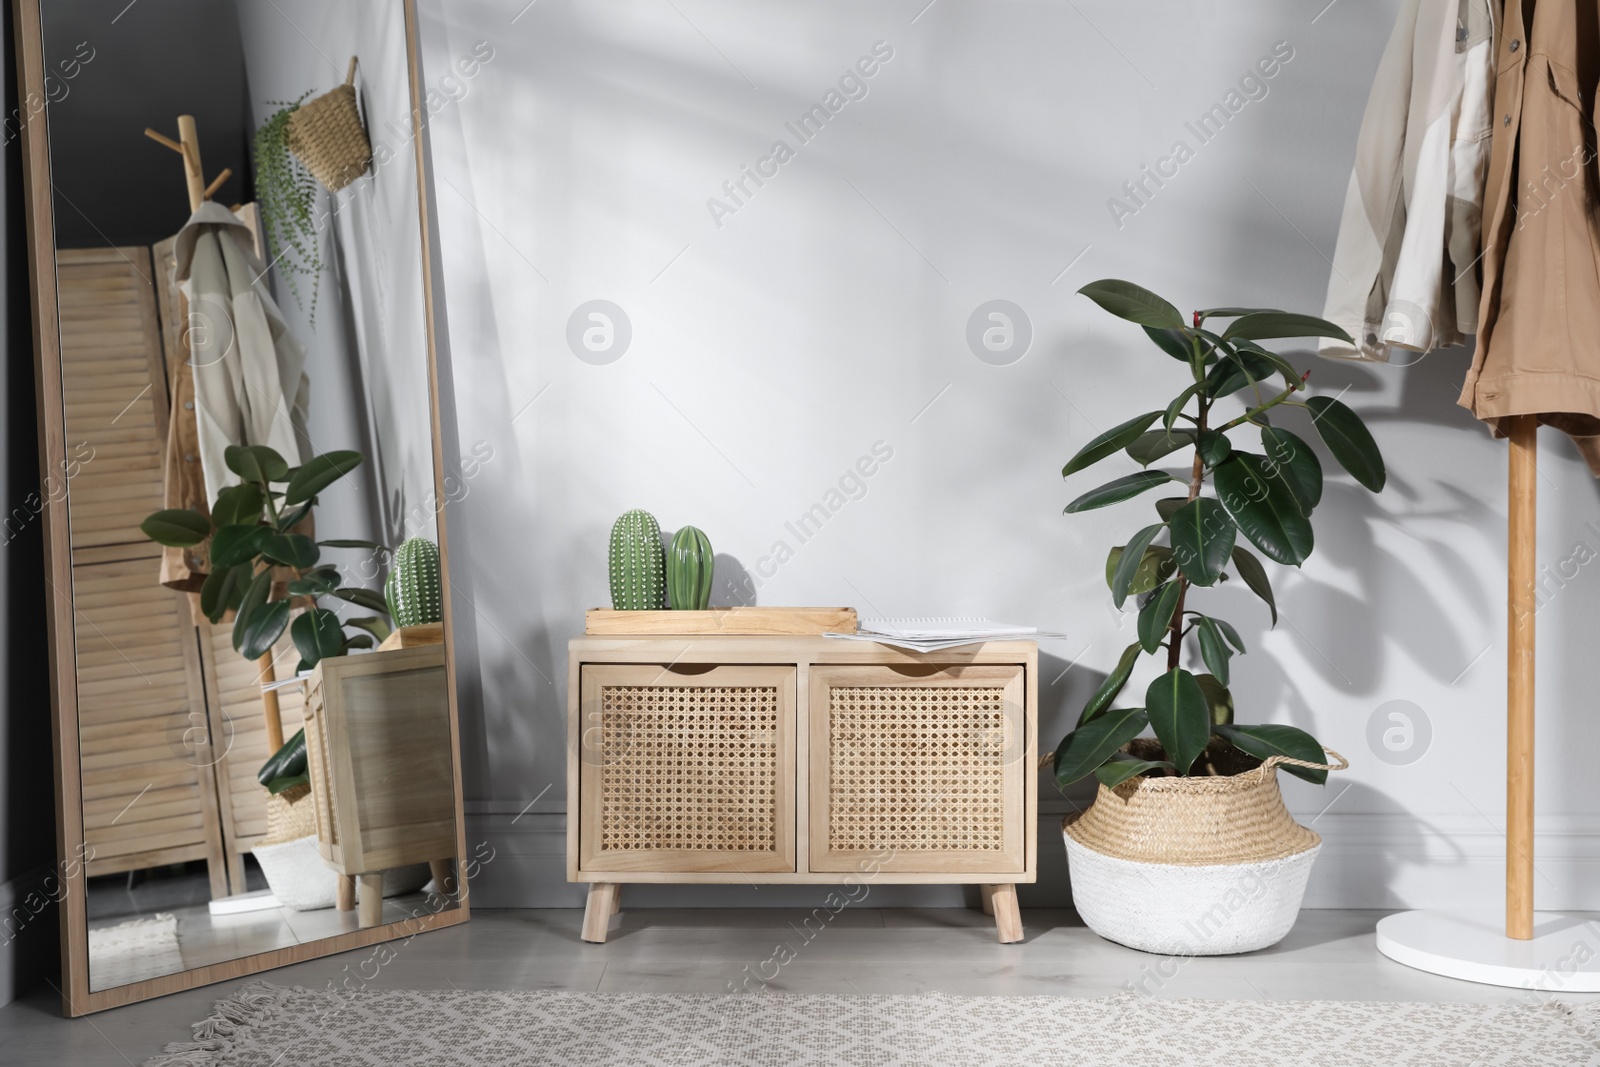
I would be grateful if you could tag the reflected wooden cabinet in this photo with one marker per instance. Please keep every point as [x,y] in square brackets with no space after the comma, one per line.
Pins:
[800,760]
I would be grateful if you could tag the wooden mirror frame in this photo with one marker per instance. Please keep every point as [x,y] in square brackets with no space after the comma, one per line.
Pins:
[76,997]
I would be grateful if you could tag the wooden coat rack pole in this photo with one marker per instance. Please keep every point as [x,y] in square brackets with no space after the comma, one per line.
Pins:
[1522,496]
[188,146]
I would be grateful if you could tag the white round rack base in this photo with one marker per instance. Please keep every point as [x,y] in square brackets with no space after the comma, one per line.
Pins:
[1563,957]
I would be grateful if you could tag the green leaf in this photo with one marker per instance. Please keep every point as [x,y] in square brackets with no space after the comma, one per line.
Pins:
[1091,744]
[262,627]
[288,520]
[1173,341]
[1274,740]
[176,527]
[319,473]
[1121,766]
[1214,447]
[255,595]
[1156,616]
[1264,509]
[351,542]
[318,582]
[238,505]
[1255,576]
[278,785]
[1202,538]
[1218,699]
[317,634]
[1130,562]
[1169,418]
[1134,303]
[1102,698]
[358,641]
[1228,313]
[233,545]
[365,598]
[1230,373]
[1213,649]
[255,463]
[1348,439]
[291,550]
[372,624]
[288,761]
[1156,567]
[1180,717]
[1114,492]
[1291,461]
[1291,374]
[1168,506]
[223,589]
[1109,443]
[1266,324]
[1153,444]
[1230,633]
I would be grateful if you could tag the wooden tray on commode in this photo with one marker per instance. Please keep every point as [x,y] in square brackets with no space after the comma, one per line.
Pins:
[739,620]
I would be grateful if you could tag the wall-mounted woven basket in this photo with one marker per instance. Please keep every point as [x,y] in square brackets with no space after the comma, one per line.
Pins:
[1195,866]
[327,137]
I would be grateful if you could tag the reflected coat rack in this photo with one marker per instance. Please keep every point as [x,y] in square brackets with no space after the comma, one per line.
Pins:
[188,146]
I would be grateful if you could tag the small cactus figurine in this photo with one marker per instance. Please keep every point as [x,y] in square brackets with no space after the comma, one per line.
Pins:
[689,566]
[638,566]
[412,589]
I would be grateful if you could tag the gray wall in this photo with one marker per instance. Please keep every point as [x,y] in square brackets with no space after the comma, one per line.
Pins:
[773,345]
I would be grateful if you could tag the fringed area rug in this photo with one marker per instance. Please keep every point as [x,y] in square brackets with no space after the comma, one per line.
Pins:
[266,1025]
[133,951]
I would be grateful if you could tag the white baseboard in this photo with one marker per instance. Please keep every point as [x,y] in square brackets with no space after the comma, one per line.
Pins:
[1387,860]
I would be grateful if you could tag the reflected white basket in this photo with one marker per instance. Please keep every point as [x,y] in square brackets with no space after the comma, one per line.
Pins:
[301,879]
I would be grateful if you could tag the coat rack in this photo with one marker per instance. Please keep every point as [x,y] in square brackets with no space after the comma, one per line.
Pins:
[188,146]
[1552,952]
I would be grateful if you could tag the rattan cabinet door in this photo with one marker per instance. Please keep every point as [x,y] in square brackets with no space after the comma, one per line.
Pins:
[687,770]
[917,770]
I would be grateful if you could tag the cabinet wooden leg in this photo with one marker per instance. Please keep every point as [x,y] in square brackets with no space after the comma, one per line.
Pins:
[1007,917]
[371,900]
[444,876]
[597,912]
[345,893]
[616,899]
[987,892]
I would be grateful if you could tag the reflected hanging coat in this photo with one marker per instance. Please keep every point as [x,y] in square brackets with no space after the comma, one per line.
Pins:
[1404,269]
[250,384]
[1539,323]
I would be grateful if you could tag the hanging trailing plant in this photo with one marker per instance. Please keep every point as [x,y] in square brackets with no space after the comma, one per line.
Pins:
[287,194]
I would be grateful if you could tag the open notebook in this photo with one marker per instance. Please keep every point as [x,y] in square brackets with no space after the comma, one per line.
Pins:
[931,634]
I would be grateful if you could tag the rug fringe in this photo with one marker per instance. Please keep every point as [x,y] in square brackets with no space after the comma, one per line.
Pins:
[230,1020]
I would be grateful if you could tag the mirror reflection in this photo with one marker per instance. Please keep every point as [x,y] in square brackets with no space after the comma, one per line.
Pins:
[264,722]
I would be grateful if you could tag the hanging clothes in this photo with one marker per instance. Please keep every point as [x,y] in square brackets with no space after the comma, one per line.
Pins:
[1539,328]
[250,384]
[1404,268]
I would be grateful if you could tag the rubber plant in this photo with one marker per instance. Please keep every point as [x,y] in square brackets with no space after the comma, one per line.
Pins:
[1264,483]
[287,194]
[261,569]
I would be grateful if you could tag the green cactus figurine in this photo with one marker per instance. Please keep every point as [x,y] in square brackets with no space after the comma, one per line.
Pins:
[413,590]
[638,566]
[689,566]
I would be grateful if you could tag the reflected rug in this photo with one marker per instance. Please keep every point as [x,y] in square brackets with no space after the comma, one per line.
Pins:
[134,950]
[265,1025]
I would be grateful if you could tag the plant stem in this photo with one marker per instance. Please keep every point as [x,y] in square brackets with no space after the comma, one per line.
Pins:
[1197,474]
[1250,415]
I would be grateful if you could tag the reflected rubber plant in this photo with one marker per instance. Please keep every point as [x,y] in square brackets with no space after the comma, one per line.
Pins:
[261,568]
[1266,495]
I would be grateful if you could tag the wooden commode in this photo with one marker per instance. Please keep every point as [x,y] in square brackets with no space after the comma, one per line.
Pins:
[800,760]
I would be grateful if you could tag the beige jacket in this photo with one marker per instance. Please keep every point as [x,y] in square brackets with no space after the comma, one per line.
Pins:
[1404,269]
[250,384]
[1539,330]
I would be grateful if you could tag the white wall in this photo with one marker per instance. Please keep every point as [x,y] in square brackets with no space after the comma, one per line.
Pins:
[829,312]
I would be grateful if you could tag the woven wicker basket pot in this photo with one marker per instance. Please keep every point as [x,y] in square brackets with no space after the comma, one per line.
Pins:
[1198,866]
[327,137]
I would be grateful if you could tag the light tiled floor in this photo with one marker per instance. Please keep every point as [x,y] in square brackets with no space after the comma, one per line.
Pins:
[1328,955]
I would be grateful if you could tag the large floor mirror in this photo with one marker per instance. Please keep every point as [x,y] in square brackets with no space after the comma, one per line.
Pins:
[251,672]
